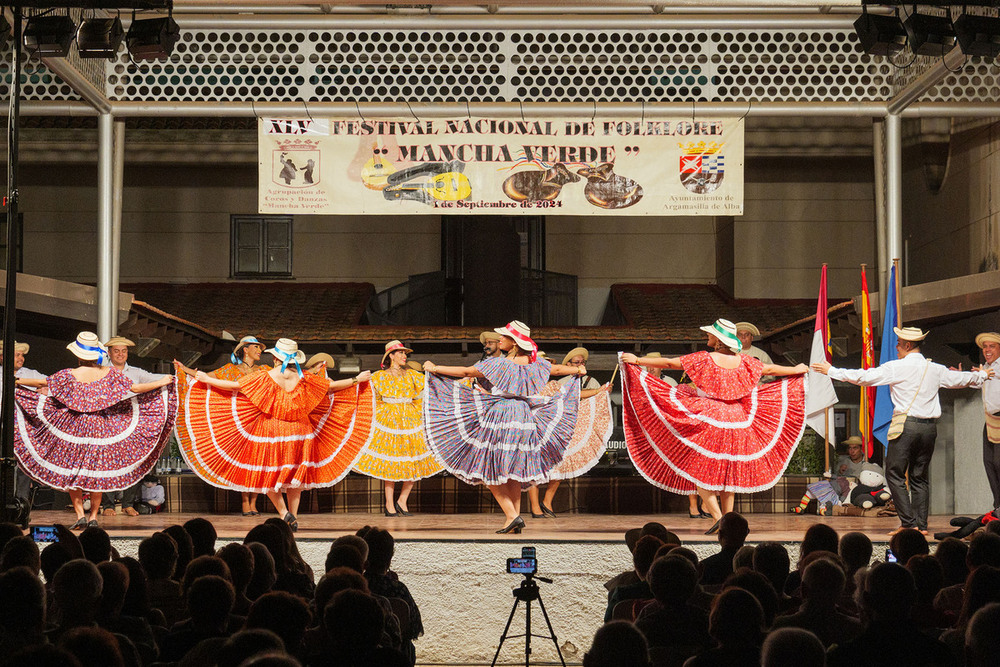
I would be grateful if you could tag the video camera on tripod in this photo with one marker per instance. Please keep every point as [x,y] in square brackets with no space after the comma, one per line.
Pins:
[527,593]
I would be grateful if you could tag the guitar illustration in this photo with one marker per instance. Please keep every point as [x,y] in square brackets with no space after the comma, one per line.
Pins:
[377,170]
[444,182]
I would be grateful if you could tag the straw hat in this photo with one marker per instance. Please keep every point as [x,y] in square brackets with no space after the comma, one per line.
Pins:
[286,350]
[488,335]
[853,440]
[317,358]
[119,340]
[87,347]
[414,365]
[725,331]
[576,352]
[746,326]
[912,334]
[521,335]
[988,337]
[394,346]
[18,347]
[542,355]
[236,357]
[655,355]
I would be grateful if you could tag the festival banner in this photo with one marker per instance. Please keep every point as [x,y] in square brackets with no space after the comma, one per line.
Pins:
[501,166]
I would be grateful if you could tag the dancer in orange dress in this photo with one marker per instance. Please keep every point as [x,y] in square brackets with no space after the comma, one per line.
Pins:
[276,432]
[242,361]
[725,433]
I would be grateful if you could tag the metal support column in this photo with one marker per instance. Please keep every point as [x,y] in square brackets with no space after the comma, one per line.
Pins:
[116,211]
[107,291]
[881,267]
[893,191]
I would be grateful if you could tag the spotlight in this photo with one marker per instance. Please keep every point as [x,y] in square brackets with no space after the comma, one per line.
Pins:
[152,39]
[880,35]
[929,35]
[49,36]
[978,35]
[100,38]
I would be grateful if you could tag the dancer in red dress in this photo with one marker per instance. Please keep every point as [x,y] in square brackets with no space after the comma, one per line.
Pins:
[725,432]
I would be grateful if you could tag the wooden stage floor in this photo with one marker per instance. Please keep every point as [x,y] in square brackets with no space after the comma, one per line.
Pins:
[481,527]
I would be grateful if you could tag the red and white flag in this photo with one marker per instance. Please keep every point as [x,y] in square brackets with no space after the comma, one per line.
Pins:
[820,394]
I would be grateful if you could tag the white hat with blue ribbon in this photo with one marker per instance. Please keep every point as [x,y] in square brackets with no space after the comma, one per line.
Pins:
[87,347]
[287,352]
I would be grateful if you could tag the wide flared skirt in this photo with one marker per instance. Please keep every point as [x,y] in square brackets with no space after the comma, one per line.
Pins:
[680,439]
[398,451]
[228,442]
[107,450]
[594,425]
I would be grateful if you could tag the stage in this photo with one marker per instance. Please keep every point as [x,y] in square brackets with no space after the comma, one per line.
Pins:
[454,566]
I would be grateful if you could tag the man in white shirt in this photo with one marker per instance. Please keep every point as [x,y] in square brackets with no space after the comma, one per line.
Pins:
[913,382]
[22,483]
[124,501]
[989,343]
[746,332]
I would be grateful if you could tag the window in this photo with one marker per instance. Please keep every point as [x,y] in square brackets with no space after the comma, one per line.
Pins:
[261,246]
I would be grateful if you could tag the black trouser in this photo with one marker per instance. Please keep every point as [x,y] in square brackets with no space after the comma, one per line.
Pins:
[124,498]
[991,461]
[22,484]
[911,453]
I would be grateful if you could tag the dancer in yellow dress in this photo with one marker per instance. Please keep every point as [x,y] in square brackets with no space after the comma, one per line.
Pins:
[397,451]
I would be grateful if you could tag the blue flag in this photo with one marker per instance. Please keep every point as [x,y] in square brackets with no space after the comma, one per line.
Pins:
[887,352]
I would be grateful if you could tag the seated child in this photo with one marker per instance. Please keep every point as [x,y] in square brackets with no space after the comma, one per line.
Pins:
[152,496]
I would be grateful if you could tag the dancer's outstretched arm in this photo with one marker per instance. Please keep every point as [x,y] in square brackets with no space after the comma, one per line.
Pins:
[337,385]
[35,383]
[143,387]
[559,370]
[653,362]
[453,371]
[229,385]
[775,369]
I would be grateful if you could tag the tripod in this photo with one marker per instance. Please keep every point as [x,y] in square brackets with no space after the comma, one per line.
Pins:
[527,592]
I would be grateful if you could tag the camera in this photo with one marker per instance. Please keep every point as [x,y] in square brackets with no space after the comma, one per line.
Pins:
[889,556]
[44,534]
[522,565]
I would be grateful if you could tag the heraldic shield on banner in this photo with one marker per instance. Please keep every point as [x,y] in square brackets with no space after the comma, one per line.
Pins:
[702,167]
[295,163]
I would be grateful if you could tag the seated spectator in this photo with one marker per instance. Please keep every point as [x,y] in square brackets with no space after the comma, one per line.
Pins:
[42,655]
[22,614]
[137,596]
[264,574]
[203,536]
[907,543]
[381,548]
[617,644]
[771,560]
[76,589]
[53,557]
[951,554]
[743,558]
[158,557]
[660,532]
[733,531]
[822,585]
[642,558]
[981,589]
[856,551]
[342,578]
[345,555]
[203,566]
[185,549]
[96,544]
[672,623]
[927,577]
[9,531]
[818,537]
[284,614]
[209,601]
[246,644]
[982,637]
[757,585]
[358,543]
[984,549]
[115,578]
[299,579]
[239,559]
[21,552]
[792,646]
[354,623]
[93,647]
[886,599]
[632,536]
[736,623]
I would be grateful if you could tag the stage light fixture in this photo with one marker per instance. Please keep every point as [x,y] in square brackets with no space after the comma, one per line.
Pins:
[100,38]
[880,35]
[978,35]
[152,39]
[929,35]
[49,36]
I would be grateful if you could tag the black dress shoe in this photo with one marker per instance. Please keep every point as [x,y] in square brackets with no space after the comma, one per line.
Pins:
[714,529]
[694,516]
[292,522]
[704,515]
[80,524]
[400,510]
[547,512]
[391,515]
[543,515]
[514,526]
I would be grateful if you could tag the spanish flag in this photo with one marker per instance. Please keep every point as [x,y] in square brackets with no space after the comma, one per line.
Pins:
[867,413]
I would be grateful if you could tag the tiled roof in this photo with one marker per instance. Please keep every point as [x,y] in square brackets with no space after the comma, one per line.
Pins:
[303,311]
[676,311]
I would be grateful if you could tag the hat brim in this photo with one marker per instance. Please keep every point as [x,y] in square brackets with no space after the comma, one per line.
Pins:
[488,335]
[576,352]
[732,343]
[524,345]
[746,326]
[80,353]
[989,337]
[300,356]
[901,335]
[395,349]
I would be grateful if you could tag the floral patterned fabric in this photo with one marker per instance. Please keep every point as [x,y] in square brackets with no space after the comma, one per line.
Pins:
[724,433]
[93,436]
[594,426]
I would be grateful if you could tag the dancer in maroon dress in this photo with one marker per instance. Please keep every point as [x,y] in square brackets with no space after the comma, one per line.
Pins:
[725,433]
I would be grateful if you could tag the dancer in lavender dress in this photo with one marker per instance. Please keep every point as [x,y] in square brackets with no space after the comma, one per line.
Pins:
[511,437]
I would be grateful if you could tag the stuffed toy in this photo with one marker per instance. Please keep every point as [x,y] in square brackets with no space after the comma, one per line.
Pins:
[967,525]
[870,491]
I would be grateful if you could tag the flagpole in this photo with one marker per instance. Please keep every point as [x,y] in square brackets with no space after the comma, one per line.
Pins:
[826,438]
[899,297]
